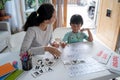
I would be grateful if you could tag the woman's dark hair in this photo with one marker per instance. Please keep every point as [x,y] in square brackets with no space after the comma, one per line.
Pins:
[44,12]
[76,19]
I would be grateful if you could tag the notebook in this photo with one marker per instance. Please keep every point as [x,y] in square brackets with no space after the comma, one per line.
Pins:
[5,69]
[3,77]
[14,75]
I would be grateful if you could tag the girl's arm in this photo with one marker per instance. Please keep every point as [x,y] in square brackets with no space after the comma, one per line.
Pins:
[90,37]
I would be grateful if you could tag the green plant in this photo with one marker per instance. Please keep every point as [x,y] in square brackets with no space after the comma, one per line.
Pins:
[2,4]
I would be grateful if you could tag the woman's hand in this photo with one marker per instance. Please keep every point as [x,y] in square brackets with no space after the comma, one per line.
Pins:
[55,52]
[55,44]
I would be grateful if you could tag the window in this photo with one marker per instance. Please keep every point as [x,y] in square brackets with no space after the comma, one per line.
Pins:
[29,6]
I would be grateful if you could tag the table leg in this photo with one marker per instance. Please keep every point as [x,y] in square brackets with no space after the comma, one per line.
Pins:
[114,79]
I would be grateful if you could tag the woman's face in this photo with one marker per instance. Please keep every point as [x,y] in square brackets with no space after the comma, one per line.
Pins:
[75,27]
[53,18]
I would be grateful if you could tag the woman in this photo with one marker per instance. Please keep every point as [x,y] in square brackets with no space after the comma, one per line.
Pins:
[39,29]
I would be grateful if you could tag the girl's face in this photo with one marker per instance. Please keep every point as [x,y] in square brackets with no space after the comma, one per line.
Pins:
[53,18]
[75,27]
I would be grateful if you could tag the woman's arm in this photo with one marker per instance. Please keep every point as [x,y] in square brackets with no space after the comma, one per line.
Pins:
[54,51]
[40,50]
[30,34]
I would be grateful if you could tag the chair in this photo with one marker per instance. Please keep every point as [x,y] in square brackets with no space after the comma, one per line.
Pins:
[60,32]
[5,34]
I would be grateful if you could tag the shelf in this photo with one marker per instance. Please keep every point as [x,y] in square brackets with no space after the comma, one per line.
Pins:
[5,17]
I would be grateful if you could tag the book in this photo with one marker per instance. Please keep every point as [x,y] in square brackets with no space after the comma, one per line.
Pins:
[14,75]
[6,68]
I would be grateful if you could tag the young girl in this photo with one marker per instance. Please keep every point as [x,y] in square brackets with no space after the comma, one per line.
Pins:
[77,35]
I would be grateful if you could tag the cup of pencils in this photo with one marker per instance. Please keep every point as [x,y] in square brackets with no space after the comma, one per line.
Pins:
[26,60]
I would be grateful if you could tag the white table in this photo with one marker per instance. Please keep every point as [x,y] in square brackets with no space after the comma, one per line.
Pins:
[60,72]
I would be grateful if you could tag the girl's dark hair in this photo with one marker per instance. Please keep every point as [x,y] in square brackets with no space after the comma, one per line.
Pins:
[44,12]
[76,19]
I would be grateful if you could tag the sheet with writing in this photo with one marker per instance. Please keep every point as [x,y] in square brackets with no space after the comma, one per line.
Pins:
[114,63]
[103,56]
[89,66]
[75,52]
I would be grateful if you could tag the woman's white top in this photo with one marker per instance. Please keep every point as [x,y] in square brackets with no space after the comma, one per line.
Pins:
[35,39]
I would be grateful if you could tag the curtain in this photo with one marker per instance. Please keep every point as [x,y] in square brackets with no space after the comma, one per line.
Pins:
[13,8]
[59,13]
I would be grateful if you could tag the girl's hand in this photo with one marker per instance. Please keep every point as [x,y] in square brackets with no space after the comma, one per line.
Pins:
[55,52]
[90,38]
[84,29]
[63,44]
